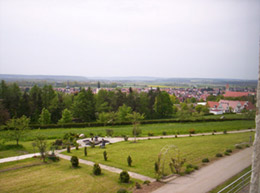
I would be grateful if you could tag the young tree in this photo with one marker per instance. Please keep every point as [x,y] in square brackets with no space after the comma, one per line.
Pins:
[66,117]
[122,113]
[45,117]
[17,128]
[103,118]
[41,143]
[135,119]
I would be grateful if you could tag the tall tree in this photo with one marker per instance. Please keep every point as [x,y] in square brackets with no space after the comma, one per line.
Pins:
[47,95]
[255,177]
[163,105]
[66,117]
[84,106]
[102,101]
[35,102]
[122,114]
[25,107]
[56,107]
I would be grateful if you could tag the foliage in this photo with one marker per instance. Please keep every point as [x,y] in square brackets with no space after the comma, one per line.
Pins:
[109,132]
[192,131]
[219,155]
[177,163]
[96,169]
[17,128]
[85,151]
[45,117]
[124,177]
[41,144]
[129,161]
[121,190]
[229,150]
[104,118]
[66,117]
[122,114]
[135,119]
[205,160]
[163,105]
[74,161]
[105,155]
[137,185]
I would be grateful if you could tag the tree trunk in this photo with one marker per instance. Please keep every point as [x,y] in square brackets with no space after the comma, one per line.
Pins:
[255,176]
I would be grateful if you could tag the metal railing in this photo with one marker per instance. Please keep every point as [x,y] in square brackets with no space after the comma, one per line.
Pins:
[238,184]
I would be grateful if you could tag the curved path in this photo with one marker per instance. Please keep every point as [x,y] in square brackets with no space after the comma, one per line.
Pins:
[208,177]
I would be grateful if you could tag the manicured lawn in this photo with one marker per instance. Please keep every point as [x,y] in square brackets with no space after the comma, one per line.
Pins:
[156,129]
[57,177]
[10,148]
[144,153]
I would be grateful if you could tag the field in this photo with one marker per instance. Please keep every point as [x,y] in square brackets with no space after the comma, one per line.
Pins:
[9,148]
[155,129]
[56,177]
[144,153]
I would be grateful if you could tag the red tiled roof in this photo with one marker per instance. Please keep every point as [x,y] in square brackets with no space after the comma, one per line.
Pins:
[235,94]
[212,104]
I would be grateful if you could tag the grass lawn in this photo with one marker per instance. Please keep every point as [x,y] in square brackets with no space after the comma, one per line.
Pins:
[56,177]
[144,153]
[10,148]
[156,129]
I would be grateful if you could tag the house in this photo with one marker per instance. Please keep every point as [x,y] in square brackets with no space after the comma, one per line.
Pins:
[236,94]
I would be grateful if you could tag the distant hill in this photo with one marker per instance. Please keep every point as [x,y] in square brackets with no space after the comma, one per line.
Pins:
[14,77]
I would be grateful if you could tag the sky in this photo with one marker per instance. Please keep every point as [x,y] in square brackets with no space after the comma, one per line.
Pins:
[108,38]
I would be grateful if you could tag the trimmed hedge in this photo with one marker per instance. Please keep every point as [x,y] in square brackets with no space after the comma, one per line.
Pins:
[154,121]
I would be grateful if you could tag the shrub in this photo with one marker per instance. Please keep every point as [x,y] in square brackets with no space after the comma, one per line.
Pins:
[85,151]
[189,170]
[225,132]
[124,177]
[195,167]
[92,144]
[150,134]
[109,132]
[105,155]
[164,133]
[205,160]
[247,145]
[129,160]
[58,142]
[53,158]
[192,131]
[226,153]
[121,190]
[192,166]
[219,155]
[176,136]
[147,182]
[229,151]
[74,161]
[137,185]
[148,138]
[96,169]
[126,138]
[239,147]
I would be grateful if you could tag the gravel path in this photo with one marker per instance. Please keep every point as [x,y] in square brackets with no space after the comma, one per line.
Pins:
[208,177]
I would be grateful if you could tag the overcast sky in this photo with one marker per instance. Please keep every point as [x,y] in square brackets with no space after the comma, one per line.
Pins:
[161,38]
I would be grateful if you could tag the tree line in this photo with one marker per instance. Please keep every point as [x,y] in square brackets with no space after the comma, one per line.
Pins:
[44,105]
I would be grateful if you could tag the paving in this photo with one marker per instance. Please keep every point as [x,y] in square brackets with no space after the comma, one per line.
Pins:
[210,176]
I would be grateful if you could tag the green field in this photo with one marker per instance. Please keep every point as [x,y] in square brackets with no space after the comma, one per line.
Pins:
[56,177]
[156,129]
[9,149]
[144,153]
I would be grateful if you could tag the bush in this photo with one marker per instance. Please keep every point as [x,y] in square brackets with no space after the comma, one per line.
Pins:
[58,142]
[53,158]
[109,132]
[229,151]
[189,170]
[226,153]
[121,190]
[164,133]
[225,132]
[239,147]
[96,169]
[176,136]
[137,185]
[85,151]
[137,131]
[150,134]
[192,166]
[124,177]
[147,182]
[219,155]
[126,138]
[74,161]
[129,160]
[192,131]
[205,160]
[105,155]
